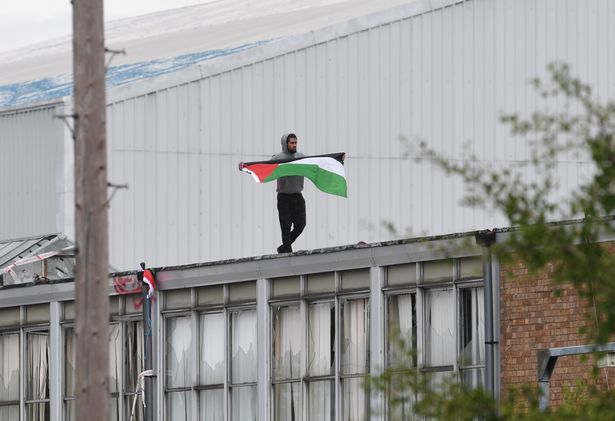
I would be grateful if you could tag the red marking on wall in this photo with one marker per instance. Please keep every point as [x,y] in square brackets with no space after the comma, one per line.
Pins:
[125,285]
[130,285]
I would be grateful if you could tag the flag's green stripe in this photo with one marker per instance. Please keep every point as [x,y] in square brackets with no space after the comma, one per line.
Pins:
[325,180]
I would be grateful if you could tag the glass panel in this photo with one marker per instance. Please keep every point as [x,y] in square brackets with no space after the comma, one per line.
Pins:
[206,296]
[438,270]
[69,362]
[9,368]
[401,330]
[400,400]
[115,358]
[129,401]
[439,327]
[355,279]
[69,310]
[9,316]
[9,412]
[401,274]
[69,410]
[114,409]
[133,353]
[286,286]
[243,400]
[243,331]
[355,334]
[473,379]
[471,268]
[212,349]
[439,379]
[286,401]
[114,305]
[321,339]
[321,398]
[286,342]
[177,298]
[355,405]
[37,313]
[37,382]
[179,358]
[38,411]
[180,408]
[244,291]
[212,405]
[472,316]
[321,282]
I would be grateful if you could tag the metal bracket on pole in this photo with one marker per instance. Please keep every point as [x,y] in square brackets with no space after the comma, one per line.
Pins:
[547,358]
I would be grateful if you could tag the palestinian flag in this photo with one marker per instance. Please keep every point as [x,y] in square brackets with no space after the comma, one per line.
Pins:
[325,171]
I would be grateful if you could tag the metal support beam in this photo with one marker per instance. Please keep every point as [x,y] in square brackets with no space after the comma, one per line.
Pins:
[547,359]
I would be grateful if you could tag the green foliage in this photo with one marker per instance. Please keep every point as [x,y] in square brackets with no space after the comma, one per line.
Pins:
[580,128]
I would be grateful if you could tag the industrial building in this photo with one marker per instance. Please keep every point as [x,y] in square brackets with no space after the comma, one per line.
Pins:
[285,337]
[440,71]
[240,333]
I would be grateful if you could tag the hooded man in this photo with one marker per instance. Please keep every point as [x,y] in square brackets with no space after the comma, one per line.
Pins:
[291,206]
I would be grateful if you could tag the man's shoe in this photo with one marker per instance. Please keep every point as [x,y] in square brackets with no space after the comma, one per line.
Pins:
[285,249]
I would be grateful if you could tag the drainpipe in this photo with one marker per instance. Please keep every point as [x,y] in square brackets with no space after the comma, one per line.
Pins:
[485,239]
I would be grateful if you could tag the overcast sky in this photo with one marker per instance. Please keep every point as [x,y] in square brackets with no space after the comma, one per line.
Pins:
[24,22]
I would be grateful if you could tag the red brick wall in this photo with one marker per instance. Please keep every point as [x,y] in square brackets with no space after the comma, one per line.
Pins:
[533,318]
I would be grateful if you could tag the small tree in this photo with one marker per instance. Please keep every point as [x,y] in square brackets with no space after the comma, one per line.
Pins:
[584,128]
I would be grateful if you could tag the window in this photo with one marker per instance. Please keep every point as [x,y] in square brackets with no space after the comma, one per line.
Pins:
[69,374]
[179,367]
[26,332]
[125,358]
[435,310]
[329,312]
[472,339]
[37,381]
[218,367]
[9,372]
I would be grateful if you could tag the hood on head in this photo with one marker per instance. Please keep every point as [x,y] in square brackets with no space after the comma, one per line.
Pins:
[284,142]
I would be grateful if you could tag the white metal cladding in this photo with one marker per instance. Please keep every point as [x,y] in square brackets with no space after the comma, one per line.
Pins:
[443,75]
[32,176]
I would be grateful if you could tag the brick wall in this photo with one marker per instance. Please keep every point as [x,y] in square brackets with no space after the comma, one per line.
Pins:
[532,318]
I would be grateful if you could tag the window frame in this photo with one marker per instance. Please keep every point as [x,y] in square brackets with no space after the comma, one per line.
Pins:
[419,287]
[305,299]
[194,312]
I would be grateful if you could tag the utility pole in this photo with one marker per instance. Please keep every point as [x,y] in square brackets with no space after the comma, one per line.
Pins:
[91,277]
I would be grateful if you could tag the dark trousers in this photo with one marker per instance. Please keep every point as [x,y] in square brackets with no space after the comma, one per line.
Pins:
[291,210]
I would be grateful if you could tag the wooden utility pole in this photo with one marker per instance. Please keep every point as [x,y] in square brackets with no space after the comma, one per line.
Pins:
[91,277]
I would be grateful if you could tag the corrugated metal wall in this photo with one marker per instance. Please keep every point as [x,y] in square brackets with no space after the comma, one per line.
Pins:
[31,182]
[443,76]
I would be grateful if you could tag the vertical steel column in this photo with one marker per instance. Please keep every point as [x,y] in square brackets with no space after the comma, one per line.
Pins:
[148,381]
[377,338]
[56,353]
[485,239]
[263,338]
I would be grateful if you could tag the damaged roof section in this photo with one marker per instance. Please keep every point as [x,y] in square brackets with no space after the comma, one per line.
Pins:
[34,259]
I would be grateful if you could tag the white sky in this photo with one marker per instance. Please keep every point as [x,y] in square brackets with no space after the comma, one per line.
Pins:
[24,22]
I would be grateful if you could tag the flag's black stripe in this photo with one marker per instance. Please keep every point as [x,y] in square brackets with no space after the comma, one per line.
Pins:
[337,156]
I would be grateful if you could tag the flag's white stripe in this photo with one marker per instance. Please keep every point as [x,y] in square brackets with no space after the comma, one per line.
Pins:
[244,169]
[326,163]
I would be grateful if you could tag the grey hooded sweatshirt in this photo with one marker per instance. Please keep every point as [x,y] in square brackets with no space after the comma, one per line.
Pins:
[290,184]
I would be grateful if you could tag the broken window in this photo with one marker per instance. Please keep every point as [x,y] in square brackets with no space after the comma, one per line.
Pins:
[472,339]
[179,367]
